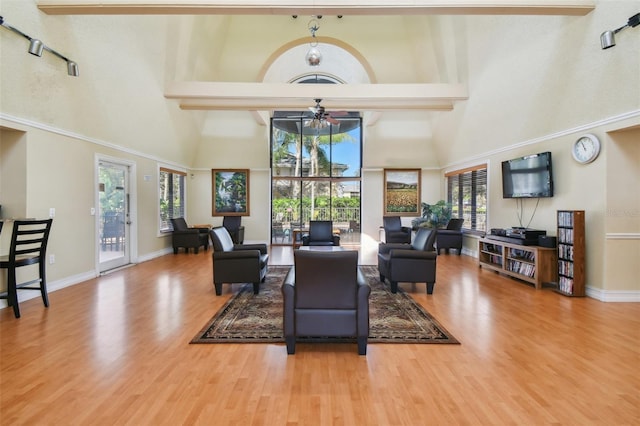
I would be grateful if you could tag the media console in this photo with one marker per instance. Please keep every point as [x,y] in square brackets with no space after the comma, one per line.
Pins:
[530,263]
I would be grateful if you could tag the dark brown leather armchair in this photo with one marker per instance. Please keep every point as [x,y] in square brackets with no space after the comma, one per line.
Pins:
[237,263]
[414,263]
[320,234]
[450,238]
[186,237]
[326,295]
[236,230]
[394,232]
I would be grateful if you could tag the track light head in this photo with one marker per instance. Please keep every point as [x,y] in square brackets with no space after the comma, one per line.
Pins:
[36,47]
[608,38]
[72,69]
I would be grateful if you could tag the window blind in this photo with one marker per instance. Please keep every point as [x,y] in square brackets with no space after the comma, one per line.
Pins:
[467,193]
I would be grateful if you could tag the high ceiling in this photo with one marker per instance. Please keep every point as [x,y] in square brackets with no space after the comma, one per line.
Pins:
[363,96]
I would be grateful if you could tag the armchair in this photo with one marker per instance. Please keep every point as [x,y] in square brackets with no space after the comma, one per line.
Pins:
[237,263]
[409,263]
[450,238]
[394,232]
[326,295]
[187,238]
[320,234]
[236,230]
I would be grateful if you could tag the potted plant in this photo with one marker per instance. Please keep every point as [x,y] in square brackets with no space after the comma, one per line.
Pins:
[433,215]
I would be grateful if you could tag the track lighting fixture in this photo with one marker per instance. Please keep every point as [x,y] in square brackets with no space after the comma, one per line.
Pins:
[37,46]
[608,39]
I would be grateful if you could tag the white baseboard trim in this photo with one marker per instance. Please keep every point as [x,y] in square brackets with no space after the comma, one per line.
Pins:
[618,296]
[153,255]
[53,286]
[77,279]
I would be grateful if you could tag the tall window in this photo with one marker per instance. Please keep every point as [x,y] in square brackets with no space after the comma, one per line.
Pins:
[467,193]
[172,197]
[315,175]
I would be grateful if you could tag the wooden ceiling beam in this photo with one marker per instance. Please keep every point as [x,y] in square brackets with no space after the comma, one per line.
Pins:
[204,95]
[312,7]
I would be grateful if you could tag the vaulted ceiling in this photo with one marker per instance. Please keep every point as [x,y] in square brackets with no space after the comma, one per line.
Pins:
[357,95]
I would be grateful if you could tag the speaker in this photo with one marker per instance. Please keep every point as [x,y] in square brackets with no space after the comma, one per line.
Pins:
[546,241]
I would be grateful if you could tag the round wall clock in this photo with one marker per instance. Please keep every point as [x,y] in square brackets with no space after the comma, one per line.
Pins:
[586,149]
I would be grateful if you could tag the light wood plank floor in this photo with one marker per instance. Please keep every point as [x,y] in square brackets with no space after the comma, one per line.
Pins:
[115,350]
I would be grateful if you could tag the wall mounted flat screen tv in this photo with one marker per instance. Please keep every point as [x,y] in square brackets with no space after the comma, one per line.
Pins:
[528,177]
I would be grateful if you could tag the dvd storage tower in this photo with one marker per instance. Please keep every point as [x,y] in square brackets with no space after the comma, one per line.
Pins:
[571,253]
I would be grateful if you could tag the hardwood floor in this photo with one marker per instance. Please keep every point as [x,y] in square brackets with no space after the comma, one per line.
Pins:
[115,350]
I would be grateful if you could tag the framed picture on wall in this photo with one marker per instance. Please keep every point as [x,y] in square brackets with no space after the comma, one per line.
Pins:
[230,192]
[402,192]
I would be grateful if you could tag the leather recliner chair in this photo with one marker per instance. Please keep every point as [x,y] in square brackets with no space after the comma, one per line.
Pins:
[186,237]
[320,234]
[326,295]
[237,263]
[414,263]
[394,232]
[450,238]
[236,230]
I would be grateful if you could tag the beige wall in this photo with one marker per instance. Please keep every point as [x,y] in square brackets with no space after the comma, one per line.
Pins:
[622,215]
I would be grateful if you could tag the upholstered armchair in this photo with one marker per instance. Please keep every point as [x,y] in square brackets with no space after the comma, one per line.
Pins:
[326,295]
[236,230]
[394,232]
[450,238]
[186,237]
[414,263]
[237,263]
[320,234]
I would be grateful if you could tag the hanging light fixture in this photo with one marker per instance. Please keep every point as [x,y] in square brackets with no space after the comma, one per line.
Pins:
[37,46]
[313,55]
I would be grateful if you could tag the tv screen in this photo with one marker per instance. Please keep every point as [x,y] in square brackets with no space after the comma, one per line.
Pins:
[528,177]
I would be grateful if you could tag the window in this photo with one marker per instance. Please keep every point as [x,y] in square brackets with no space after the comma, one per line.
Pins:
[172,197]
[315,175]
[467,193]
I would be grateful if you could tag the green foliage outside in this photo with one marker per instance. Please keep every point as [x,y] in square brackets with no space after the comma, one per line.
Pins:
[433,215]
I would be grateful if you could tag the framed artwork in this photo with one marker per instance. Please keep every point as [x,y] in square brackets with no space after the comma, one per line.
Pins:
[402,192]
[230,192]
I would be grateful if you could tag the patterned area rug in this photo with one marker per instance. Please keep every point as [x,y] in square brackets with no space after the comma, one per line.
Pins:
[249,318]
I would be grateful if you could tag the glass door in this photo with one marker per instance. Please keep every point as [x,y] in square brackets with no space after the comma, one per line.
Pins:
[113,215]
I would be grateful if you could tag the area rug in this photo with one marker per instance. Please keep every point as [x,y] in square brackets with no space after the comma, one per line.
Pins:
[249,318]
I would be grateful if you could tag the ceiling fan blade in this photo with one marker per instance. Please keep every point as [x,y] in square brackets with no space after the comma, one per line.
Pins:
[313,109]
[339,113]
[331,120]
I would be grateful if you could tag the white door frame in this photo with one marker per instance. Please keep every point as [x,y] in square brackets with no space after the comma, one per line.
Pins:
[132,222]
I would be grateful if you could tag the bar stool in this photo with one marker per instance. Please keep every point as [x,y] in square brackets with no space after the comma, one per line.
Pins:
[28,247]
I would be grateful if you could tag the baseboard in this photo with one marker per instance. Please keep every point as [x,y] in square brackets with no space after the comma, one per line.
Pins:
[53,286]
[613,295]
[77,279]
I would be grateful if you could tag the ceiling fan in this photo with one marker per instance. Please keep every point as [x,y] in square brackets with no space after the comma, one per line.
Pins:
[321,118]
